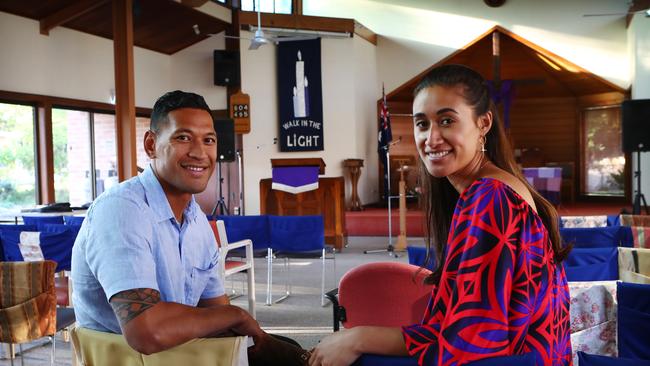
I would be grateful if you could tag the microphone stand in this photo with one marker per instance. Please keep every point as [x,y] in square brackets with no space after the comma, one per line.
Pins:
[221,203]
[390,249]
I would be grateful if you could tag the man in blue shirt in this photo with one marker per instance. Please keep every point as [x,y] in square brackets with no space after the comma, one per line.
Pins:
[145,261]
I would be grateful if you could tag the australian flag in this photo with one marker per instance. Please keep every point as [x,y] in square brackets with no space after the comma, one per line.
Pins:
[385,137]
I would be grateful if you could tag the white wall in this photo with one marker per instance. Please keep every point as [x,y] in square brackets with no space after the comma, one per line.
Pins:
[367,91]
[77,65]
[349,95]
[418,33]
[639,48]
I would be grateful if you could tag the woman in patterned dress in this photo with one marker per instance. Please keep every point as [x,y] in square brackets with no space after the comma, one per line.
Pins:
[501,289]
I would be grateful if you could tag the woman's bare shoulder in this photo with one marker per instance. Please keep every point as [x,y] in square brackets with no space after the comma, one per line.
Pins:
[514,183]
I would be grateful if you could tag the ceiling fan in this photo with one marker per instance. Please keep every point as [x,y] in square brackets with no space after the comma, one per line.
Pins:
[260,38]
[646,12]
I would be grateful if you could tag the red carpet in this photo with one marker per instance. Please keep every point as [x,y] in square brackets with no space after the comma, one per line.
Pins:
[374,221]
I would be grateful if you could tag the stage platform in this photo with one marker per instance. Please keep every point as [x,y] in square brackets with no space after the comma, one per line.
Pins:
[373,221]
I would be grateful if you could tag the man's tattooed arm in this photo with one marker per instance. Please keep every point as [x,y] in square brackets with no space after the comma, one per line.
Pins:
[131,303]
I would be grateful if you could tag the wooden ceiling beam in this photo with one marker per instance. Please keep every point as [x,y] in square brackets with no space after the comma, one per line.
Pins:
[304,22]
[68,13]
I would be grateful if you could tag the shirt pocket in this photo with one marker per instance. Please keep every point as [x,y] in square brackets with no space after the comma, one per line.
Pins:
[201,275]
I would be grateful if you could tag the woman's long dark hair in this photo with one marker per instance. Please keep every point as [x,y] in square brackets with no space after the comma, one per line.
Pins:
[440,197]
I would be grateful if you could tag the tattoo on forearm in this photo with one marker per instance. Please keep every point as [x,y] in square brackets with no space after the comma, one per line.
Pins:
[131,303]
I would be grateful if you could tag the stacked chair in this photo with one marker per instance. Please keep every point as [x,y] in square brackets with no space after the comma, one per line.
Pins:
[44,238]
[608,317]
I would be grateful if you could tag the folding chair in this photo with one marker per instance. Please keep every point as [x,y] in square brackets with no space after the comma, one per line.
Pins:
[29,311]
[592,264]
[295,237]
[633,320]
[229,266]
[598,237]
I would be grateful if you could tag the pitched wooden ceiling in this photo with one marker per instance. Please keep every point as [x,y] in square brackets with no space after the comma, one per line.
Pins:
[160,25]
[537,72]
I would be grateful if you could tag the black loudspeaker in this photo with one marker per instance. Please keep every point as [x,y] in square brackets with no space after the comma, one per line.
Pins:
[225,129]
[226,68]
[636,125]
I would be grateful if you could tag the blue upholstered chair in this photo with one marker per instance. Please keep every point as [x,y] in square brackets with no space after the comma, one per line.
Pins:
[585,359]
[29,246]
[38,221]
[5,227]
[417,257]
[598,237]
[295,237]
[633,320]
[592,264]
[73,220]
[253,227]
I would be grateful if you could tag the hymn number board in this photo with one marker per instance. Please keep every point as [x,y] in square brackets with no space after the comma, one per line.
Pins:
[240,112]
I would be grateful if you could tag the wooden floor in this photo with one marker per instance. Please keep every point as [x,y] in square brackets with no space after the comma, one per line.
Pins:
[374,221]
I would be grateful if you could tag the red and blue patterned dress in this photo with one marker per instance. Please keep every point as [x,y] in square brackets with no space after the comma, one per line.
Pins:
[501,292]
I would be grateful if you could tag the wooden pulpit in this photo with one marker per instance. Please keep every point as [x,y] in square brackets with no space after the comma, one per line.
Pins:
[328,200]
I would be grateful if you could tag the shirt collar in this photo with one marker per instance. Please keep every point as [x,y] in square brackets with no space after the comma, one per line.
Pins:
[158,200]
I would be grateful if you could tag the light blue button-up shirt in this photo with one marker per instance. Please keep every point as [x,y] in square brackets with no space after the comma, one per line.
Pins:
[130,239]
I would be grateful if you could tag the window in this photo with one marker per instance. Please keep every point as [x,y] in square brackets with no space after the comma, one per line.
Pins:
[17,157]
[85,158]
[105,151]
[72,156]
[267,6]
[141,126]
[604,161]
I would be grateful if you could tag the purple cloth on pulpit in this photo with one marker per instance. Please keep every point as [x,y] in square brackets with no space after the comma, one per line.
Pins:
[295,179]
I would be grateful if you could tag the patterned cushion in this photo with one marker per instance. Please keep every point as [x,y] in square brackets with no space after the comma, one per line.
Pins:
[583,221]
[28,301]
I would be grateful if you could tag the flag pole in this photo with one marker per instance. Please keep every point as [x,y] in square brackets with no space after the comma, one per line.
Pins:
[390,249]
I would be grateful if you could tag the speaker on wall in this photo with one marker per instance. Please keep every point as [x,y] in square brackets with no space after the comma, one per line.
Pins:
[226,68]
[225,129]
[636,125]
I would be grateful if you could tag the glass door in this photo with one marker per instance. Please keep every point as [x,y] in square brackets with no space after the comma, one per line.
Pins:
[603,158]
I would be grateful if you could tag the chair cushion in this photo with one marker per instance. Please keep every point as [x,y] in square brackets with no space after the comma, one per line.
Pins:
[62,291]
[28,310]
[95,348]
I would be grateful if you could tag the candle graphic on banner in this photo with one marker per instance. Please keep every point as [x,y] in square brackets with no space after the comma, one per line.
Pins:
[300,92]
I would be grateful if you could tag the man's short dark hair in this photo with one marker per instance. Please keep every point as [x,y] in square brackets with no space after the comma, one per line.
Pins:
[172,101]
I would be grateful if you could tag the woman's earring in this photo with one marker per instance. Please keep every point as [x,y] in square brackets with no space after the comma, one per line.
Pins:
[483,142]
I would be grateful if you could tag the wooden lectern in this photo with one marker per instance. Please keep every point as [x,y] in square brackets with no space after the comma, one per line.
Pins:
[328,200]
